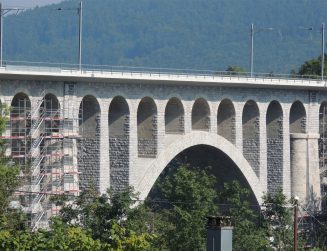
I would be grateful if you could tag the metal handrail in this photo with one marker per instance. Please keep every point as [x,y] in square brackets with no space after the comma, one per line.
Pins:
[130,70]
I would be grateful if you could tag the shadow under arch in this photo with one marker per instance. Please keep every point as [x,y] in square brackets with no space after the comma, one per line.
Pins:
[195,139]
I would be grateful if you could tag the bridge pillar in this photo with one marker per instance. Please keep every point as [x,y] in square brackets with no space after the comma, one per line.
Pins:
[305,182]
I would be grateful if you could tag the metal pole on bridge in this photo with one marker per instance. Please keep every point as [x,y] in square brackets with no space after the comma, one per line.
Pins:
[251,56]
[322,50]
[80,13]
[252,43]
[4,11]
[80,30]
[1,33]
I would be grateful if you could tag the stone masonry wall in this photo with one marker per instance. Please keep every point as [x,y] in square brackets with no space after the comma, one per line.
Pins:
[251,147]
[119,158]
[147,148]
[274,164]
[275,141]
[89,159]
[119,162]
[251,153]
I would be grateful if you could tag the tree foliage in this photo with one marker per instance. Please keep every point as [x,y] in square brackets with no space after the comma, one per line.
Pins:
[107,218]
[248,233]
[191,197]
[9,181]
[313,67]
[278,220]
[235,70]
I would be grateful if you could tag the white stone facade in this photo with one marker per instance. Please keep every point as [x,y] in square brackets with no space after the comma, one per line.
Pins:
[143,172]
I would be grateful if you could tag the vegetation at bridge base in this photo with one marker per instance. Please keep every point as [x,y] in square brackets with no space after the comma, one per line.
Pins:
[173,219]
[184,200]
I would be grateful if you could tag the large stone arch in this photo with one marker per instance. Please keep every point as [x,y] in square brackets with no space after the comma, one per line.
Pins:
[89,143]
[275,139]
[201,115]
[298,118]
[199,138]
[119,130]
[251,134]
[226,120]
[147,128]
[174,117]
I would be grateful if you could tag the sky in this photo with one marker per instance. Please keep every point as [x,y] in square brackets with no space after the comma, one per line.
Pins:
[27,3]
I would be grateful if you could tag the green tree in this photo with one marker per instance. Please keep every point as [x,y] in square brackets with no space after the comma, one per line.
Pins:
[191,197]
[235,70]
[278,219]
[248,233]
[312,67]
[12,219]
[106,218]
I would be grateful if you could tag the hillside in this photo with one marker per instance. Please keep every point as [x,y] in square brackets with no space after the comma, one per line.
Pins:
[194,34]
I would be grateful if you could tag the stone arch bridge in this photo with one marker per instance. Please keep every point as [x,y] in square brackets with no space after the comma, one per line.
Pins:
[123,128]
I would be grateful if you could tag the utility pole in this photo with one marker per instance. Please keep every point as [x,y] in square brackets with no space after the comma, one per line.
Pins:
[251,56]
[322,50]
[80,13]
[1,33]
[296,209]
[80,30]
[252,44]
[3,12]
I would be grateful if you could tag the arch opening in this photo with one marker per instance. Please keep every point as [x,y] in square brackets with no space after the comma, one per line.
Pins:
[88,144]
[298,118]
[20,120]
[118,119]
[147,128]
[251,135]
[174,117]
[274,127]
[226,120]
[201,115]
[50,110]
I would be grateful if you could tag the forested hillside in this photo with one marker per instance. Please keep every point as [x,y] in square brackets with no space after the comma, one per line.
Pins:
[194,34]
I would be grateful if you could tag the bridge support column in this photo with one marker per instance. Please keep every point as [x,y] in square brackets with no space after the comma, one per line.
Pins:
[305,181]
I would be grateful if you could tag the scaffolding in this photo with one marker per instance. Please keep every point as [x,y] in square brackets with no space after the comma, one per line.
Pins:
[42,141]
[323,154]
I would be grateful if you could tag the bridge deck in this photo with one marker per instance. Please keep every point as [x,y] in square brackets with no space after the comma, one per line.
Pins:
[158,76]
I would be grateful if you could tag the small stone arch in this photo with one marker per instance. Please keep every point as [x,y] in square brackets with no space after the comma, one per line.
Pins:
[226,120]
[174,117]
[20,120]
[200,115]
[118,119]
[275,138]
[89,143]
[298,118]
[20,104]
[251,134]
[50,109]
[147,128]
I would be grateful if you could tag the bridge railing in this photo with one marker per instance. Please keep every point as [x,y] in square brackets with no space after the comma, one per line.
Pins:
[148,71]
